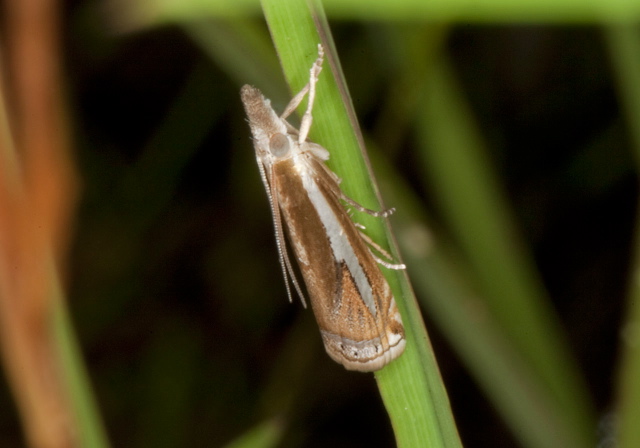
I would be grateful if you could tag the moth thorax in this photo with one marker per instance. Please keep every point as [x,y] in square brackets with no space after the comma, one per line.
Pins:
[279,145]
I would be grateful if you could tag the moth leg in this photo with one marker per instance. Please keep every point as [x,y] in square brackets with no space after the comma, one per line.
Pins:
[360,208]
[295,102]
[310,88]
[386,264]
[307,118]
[369,241]
[384,253]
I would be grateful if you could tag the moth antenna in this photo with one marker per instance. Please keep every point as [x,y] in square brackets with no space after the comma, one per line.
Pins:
[285,262]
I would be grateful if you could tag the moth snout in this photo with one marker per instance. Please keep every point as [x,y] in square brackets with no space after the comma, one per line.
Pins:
[253,100]
[249,93]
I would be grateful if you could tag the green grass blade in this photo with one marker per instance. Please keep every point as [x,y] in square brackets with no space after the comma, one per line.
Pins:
[411,387]
[91,432]
[438,11]
[264,435]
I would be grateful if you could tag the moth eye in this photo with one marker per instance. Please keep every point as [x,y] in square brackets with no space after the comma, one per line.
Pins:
[279,145]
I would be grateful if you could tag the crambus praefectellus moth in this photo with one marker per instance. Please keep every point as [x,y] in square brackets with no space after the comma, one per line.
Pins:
[358,318]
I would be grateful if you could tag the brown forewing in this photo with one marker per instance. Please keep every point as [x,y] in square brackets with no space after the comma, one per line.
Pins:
[335,298]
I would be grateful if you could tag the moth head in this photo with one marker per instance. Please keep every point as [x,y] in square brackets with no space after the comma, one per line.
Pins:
[263,120]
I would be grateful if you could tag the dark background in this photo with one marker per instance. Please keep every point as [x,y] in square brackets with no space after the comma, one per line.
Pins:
[174,284]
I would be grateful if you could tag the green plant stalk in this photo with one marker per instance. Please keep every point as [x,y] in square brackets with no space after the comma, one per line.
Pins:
[411,387]
[139,14]
[265,434]
[91,432]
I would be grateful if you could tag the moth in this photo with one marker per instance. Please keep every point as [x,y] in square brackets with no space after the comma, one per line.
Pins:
[355,309]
